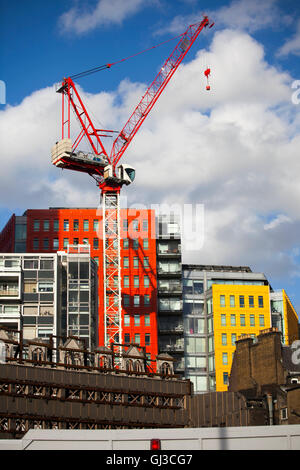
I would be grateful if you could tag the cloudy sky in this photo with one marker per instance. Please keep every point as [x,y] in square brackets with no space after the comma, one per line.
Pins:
[233,151]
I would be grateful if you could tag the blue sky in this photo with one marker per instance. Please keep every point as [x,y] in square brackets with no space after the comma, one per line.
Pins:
[239,145]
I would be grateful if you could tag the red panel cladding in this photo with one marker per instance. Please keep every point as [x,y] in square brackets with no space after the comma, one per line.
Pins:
[94,237]
[7,236]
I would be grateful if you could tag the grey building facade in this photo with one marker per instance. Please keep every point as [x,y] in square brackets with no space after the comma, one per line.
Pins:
[169,286]
[49,294]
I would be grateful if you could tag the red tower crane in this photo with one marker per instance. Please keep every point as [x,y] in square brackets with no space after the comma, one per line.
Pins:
[103,166]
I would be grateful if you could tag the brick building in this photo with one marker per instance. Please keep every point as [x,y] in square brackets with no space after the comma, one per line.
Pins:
[266,371]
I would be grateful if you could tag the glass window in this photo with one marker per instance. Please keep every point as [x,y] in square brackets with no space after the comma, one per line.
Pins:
[135,243]
[75,225]
[136,300]
[95,225]
[187,286]
[199,325]
[46,225]
[261,320]
[145,225]
[198,287]
[224,358]
[225,378]
[55,243]
[242,320]
[137,339]
[66,242]
[46,264]
[56,225]
[136,281]
[31,264]
[146,281]
[223,319]
[96,243]
[135,225]
[146,262]
[46,243]
[222,300]
[126,338]
[84,270]
[147,339]
[127,320]
[125,225]
[126,299]
[146,299]
[251,301]
[242,301]
[35,243]
[233,339]
[224,339]
[232,301]
[260,301]
[252,320]
[66,225]
[145,243]
[85,241]
[75,241]
[136,320]
[135,262]
[147,320]
[232,320]
[126,262]
[45,286]
[36,225]
[125,243]
[126,281]
[85,225]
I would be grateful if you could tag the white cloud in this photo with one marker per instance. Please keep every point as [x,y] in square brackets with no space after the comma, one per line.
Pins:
[232,149]
[291,46]
[106,12]
[280,219]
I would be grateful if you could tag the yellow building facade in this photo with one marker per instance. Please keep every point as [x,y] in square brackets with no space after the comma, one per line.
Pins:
[290,320]
[235,310]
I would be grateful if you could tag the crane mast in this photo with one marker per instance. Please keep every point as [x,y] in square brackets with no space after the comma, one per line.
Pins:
[103,167]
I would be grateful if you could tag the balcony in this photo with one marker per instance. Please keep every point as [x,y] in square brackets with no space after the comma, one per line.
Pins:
[9,287]
[170,328]
[170,289]
[168,274]
[169,348]
[172,252]
[169,306]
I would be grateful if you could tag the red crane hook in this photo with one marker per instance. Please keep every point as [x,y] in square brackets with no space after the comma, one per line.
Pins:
[207,73]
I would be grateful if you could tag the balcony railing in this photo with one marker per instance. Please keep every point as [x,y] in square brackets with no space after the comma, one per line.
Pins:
[175,288]
[172,347]
[170,251]
[169,328]
[169,272]
[12,292]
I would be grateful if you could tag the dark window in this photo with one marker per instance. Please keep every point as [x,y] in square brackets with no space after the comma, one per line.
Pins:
[126,338]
